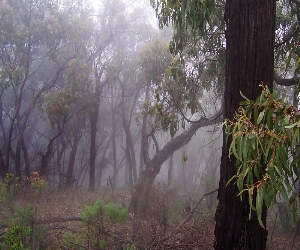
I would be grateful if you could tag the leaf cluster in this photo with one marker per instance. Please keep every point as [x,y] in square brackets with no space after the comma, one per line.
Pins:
[265,142]
[99,218]
[15,236]
[185,14]
[8,188]
[113,213]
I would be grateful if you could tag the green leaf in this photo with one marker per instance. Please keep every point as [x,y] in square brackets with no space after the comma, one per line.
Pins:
[253,144]
[259,205]
[244,103]
[244,97]
[284,194]
[184,158]
[260,117]
[269,146]
[240,183]
[250,177]
[256,172]
[274,95]
[245,151]
[232,149]
[267,199]
[290,126]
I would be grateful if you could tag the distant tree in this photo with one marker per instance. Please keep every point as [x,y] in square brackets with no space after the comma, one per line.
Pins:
[37,45]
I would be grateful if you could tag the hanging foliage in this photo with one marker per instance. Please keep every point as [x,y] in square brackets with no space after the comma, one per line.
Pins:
[187,13]
[265,143]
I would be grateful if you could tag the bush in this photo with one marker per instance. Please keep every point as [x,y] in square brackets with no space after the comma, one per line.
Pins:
[99,220]
[17,237]
[21,233]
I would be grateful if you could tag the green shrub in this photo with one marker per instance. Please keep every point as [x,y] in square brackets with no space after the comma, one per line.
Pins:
[100,211]
[23,215]
[99,220]
[8,188]
[21,233]
[94,212]
[116,213]
[72,241]
[17,237]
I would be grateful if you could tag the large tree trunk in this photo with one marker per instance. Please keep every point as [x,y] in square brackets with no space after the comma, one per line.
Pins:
[249,63]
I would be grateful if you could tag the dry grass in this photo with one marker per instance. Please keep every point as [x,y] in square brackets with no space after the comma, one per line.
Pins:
[58,214]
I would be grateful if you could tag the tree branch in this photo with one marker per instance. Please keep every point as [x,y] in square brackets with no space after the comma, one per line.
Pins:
[285,82]
[176,143]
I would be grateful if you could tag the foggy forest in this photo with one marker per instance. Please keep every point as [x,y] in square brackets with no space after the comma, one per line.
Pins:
[149,124]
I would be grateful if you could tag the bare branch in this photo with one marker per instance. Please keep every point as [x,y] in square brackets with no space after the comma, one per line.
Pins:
[285,82]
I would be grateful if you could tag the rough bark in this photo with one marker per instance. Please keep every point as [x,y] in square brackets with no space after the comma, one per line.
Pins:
[249,63]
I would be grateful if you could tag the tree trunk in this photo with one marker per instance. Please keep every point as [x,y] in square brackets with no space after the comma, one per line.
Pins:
[170,170]
[183,172]
[140,199]
[3,166]
[93,122]
[59,155]
[144,136]
[70,175]
[18,161]
[130,151]
[94,114]
[26,158]
[249,63]
[114,147]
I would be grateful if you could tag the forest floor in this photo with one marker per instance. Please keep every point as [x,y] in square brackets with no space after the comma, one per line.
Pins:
[57,224]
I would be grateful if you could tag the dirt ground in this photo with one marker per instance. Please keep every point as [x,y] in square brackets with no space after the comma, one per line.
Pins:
[58,216]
